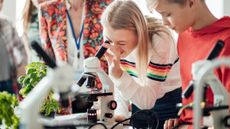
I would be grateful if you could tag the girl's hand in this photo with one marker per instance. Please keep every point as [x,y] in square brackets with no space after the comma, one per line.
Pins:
[113,57]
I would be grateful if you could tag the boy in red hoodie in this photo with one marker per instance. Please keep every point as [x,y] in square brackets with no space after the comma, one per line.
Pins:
[198,32]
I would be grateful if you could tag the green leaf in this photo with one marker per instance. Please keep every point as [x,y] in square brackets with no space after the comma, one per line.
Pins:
[34,73]
[20,79]
[26,81]
[30,70]
[7,116]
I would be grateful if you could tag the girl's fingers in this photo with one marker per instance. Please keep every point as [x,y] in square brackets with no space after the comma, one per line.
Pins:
[116,51]
[108,57]
[106,45]
[113,57]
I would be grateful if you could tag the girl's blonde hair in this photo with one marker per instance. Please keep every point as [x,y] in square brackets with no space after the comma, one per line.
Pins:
[125,14]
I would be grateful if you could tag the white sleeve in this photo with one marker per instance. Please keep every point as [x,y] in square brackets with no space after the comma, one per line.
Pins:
[143,97]
[122,105]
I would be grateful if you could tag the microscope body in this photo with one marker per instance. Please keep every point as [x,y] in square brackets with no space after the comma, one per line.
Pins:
[104,103]
[203,75]
[60,80]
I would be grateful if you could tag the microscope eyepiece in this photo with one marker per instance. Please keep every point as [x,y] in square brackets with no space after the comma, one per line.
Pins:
[102,50]
[82,80]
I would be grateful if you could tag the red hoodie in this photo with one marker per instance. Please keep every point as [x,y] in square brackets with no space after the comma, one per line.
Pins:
[196,45]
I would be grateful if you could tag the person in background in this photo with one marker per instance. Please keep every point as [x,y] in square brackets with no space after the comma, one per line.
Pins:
[13,56]
[31,27]
[198,33]
[70,31]
[143,62]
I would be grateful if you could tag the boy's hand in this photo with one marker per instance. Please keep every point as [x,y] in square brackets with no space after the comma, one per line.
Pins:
[169,124]
[119,118]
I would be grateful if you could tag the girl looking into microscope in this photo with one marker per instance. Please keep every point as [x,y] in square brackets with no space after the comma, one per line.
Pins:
[142,59]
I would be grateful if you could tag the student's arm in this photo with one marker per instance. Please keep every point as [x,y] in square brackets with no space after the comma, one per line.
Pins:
[142,96]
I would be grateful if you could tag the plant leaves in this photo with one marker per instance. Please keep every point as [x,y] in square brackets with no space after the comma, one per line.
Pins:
[34,73]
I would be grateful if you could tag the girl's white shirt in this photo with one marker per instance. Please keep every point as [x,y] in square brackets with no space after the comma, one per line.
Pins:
[131,89]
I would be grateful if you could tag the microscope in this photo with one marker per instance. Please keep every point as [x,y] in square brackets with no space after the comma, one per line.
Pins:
[217,115]
[103,99]
[220,118]
[60,80]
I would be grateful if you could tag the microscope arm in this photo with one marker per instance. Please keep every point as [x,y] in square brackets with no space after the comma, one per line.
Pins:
[221,96]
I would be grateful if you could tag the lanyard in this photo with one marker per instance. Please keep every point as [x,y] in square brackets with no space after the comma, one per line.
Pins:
[77,40]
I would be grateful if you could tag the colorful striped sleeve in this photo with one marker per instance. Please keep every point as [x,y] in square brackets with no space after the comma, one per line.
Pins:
[155,71]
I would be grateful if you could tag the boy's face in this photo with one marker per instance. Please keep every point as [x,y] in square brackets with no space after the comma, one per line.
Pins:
[177,17]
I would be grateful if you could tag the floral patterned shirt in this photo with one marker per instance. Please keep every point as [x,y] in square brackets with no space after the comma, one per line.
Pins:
[53,28]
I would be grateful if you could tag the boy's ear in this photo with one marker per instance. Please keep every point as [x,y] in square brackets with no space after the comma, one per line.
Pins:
[191,2]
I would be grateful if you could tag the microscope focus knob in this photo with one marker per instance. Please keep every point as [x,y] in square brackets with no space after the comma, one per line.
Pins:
[112,105]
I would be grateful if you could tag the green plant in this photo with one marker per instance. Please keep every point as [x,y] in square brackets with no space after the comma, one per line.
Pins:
[34,73]
[7,105]
[49,106]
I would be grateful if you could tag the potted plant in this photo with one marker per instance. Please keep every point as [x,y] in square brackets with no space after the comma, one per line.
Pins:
[8,119]
[34,73]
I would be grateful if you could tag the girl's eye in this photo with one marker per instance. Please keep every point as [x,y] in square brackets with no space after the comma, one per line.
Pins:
[121,44]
